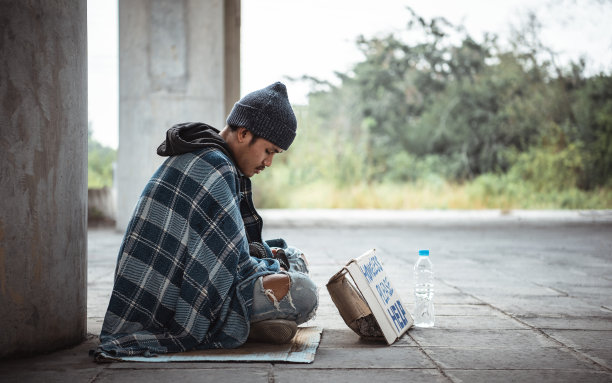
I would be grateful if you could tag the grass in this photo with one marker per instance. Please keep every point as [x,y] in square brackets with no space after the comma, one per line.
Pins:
[477,194]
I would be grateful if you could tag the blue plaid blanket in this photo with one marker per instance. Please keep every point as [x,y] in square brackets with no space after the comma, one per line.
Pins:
[186,286]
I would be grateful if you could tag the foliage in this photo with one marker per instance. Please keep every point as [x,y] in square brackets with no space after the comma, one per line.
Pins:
[470,105]
[593,127]
[471,124]
[100,162]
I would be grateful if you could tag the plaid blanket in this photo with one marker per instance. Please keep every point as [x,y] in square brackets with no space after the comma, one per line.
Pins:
[186,285]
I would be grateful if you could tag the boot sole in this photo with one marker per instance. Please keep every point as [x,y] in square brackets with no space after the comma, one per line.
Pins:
[277,331]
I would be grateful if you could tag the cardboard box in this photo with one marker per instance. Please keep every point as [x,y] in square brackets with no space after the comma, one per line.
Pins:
[367,301]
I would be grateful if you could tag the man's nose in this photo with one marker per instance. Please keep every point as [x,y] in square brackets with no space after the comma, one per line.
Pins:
[268,160]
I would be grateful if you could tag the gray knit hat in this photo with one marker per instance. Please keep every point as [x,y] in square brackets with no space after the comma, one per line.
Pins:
[268,114]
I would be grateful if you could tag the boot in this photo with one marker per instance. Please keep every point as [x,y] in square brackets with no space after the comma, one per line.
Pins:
[277,331]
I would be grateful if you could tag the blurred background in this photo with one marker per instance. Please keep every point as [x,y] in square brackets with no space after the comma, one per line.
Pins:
[406,105]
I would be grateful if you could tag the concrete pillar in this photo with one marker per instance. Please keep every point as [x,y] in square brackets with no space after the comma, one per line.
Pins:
[173,59]
[232,19]
[43,175]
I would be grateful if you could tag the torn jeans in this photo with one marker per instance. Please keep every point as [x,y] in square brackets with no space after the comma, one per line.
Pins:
[300,302]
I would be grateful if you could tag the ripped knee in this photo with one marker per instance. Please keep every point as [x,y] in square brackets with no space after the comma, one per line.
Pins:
[276,286]
[305,296]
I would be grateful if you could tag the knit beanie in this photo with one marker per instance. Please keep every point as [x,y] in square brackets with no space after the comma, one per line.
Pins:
[268,114]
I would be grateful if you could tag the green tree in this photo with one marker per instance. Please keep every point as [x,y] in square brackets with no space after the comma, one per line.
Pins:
[100,160]
[464,108]
[593,111]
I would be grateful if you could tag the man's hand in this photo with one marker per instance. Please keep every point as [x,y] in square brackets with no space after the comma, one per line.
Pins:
[281,258]
[275,249]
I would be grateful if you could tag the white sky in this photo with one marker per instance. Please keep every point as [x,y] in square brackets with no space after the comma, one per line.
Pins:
[317,37]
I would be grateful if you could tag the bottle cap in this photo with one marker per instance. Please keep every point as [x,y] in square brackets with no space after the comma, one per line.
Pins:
[424,253]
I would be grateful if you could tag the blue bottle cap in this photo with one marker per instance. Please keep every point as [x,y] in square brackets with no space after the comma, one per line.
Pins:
[424,253]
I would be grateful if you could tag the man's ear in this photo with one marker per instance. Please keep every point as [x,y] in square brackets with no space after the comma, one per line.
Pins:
[242,134]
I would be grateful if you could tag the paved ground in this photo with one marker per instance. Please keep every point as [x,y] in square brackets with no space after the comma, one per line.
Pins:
[522,296]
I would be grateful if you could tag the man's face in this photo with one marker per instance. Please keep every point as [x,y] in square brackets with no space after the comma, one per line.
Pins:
[253,157]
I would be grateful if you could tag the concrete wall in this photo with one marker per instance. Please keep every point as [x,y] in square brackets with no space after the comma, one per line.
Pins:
[43,173]
[101,208]
[172,60]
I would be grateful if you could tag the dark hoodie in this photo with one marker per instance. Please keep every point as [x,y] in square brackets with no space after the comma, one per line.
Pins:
[190,136]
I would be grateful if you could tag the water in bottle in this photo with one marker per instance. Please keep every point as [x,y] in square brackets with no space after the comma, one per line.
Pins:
[423,291]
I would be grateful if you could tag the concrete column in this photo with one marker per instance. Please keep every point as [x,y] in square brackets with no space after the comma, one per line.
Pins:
[172,66]
[232,53]
[43,175]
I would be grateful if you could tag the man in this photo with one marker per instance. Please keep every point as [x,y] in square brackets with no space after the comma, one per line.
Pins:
[193,271]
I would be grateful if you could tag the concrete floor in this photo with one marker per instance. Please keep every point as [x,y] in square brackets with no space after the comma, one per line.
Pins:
[520,296]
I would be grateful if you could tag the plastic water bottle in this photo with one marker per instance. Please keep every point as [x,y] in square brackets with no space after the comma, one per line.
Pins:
[423,291]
